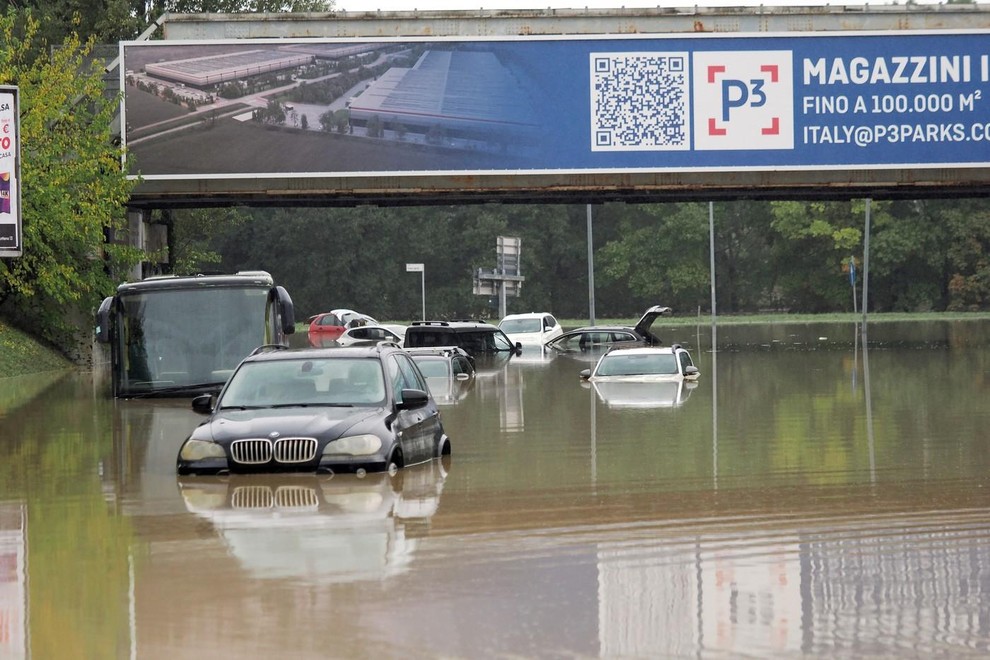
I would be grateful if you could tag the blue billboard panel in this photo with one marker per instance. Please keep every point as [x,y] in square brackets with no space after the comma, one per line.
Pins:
[630,103]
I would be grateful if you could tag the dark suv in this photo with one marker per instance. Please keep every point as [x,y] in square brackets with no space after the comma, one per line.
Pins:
[475,337]
[317,410]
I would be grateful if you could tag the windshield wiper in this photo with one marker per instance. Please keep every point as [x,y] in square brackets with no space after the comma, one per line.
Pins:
[306,405]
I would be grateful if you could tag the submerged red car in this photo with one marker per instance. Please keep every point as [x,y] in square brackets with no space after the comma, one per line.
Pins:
[328,326]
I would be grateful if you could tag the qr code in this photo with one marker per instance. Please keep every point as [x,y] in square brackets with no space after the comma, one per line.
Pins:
[640,102]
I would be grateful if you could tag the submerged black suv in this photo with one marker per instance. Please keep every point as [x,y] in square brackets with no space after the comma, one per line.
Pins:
[475,337]
[325,410]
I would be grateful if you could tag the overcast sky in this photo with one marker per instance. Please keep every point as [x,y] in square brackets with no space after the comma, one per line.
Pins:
[410,5]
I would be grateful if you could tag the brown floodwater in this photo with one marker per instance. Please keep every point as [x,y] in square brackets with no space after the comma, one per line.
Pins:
[812,494]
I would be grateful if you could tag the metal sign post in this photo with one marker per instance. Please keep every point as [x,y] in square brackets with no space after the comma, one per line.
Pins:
[421,269]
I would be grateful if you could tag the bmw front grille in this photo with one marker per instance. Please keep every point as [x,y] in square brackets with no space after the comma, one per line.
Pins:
[256,451]
[295,450]
[251,452]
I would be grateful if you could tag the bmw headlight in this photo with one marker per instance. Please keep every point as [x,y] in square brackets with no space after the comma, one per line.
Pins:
[197,450]
[355,445]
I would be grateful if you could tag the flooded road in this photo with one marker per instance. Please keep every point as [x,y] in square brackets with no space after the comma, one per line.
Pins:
[811,494]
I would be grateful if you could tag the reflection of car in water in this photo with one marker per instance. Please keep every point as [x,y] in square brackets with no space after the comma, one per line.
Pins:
[655,394]
[318,528]
[536,356]
[488,366]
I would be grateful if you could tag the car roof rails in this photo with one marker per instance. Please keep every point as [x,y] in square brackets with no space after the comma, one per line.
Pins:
[438,323]
[269,347]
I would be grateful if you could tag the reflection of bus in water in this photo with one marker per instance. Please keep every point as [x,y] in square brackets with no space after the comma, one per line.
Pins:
[181,336]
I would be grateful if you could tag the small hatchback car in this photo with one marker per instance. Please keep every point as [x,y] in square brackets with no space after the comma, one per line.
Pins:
[339,409]
[328,326]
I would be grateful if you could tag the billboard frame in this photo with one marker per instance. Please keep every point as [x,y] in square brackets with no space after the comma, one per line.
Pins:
[564,186]
[11,229]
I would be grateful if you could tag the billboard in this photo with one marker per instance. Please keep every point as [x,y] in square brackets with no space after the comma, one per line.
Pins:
[11,238]
[541,106]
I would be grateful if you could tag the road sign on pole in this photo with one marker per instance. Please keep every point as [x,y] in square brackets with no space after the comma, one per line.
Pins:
[421,269]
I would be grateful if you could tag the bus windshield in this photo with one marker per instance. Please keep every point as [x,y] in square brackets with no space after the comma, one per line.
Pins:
[171,339]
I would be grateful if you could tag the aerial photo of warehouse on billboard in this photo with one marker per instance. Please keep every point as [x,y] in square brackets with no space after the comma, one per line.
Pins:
[215,69]
[465,92]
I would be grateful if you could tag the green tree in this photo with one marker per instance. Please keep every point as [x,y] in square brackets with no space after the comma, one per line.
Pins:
[150,10]
[908,258]
[967,224]
[661,254]
[193,231]
[105,21]
[811,240]
[73,189]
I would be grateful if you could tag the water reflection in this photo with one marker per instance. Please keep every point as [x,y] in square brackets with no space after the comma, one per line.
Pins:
[646,394]
[448,390]
[13,580]
[810,496]
[315,528]
[823,583]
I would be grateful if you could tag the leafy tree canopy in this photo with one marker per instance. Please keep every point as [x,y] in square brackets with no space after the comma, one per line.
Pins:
[73,189]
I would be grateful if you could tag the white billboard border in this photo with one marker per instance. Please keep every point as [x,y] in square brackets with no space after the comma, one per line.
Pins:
[437,174]
[15,188]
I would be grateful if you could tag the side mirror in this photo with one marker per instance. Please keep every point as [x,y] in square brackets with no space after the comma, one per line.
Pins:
[203,404]
[462,376]
[585,374]
[288,311]
[103,321]
[691,371]
[413,399]
[518,348]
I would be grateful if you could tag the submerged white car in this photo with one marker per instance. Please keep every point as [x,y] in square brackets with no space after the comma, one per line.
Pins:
[367,333]
[532,329]
[646,364]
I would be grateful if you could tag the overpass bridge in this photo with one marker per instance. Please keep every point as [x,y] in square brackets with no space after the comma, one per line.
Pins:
[546,106]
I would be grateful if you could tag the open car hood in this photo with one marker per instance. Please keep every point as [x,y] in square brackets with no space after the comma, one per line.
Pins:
[644,324]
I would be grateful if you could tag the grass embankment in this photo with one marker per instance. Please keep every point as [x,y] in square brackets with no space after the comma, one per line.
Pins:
[20,354]
[781,318]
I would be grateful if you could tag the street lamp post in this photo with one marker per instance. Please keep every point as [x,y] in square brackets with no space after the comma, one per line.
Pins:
[421,269]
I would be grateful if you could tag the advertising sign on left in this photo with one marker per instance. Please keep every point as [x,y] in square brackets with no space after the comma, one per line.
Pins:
[10,191]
